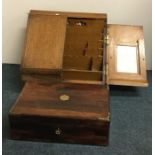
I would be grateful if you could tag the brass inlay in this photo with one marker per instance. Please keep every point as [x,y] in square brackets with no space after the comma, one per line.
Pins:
[64,97]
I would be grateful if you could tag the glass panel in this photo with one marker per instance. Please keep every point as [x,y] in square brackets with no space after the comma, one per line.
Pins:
[126,59]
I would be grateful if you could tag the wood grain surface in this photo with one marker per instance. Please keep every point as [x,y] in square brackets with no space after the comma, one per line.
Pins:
[131,36]
[39,113]
[72,14]
[44,43]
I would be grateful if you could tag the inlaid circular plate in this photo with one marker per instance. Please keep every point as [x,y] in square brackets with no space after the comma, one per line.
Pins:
[64,97]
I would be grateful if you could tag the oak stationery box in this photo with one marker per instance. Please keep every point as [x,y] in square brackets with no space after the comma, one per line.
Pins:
[69,61]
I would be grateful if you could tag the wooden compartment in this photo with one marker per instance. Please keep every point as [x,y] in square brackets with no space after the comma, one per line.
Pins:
[97,64]
[83,54]
[82,76]
[77,62]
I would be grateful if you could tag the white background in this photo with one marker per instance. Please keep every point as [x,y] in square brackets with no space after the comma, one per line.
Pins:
[15,12]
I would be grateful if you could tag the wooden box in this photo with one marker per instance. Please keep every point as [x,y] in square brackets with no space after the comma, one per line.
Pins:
[41,114]
[69,61]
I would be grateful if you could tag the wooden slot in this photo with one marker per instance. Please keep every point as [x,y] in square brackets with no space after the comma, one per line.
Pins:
[80,35]
[84,82]
[79,63]
[82,75]
[95,44]
[97,64]
[78,50]
[82,46]
[95,52]
[85,49]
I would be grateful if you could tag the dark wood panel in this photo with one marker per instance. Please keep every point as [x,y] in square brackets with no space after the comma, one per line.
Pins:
[42,78]
[45,99]
[70,130]
[39,113]
[43,136]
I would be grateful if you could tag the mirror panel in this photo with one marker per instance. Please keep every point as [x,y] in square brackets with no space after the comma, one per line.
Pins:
[126,56]
[126,59]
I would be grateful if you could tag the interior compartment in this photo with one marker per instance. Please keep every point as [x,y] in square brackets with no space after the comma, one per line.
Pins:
[84,50]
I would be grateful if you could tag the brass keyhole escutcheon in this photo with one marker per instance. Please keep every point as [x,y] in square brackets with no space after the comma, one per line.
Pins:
[58,131]
[64,97]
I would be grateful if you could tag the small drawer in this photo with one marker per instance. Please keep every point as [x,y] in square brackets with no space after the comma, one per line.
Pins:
[60,130]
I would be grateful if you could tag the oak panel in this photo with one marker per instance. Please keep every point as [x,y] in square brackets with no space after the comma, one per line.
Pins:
[132,36]
[44,43]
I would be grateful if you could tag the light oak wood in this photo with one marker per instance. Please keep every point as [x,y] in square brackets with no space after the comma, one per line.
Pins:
[135,83]
[58,42]
[84,82]
[84,50]
[126,36]
[72,14]
[48,45]
[44,43]
[82,75]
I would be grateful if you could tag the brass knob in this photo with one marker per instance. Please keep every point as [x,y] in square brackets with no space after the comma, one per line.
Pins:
[58,131]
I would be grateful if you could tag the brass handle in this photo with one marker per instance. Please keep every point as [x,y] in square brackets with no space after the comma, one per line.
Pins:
[58,131]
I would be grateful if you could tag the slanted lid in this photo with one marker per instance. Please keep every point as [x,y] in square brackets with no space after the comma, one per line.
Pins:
[63,100]
[44,43]
[126,56]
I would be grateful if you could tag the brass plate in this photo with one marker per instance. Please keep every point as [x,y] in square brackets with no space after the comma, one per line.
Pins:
[64,97]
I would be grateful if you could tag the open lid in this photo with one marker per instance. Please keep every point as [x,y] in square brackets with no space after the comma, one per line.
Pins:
[44,43]
[126,56]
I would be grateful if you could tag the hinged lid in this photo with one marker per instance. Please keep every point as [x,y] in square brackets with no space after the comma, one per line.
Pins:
[81,101]
[44,43]
[126,56]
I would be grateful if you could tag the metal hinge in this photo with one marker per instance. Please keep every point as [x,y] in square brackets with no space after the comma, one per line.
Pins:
[106,70]
[106,39]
